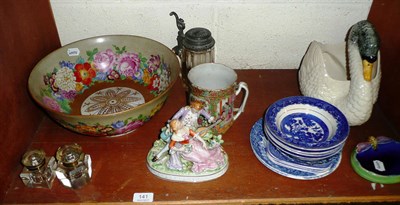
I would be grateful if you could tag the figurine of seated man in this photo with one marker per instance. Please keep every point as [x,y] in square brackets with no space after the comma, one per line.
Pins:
[189,115]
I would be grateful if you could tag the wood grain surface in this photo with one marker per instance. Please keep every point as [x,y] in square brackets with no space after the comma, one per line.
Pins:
[119,167]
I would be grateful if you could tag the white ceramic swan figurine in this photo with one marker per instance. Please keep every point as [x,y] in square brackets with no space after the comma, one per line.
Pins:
[323,72]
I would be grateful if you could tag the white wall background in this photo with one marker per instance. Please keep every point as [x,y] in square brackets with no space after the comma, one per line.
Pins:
[271,34]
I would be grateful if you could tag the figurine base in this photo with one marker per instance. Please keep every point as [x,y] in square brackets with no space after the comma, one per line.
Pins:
[160,170]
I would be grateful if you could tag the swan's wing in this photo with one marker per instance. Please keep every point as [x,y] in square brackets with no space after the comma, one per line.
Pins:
[313,78]
[312,72]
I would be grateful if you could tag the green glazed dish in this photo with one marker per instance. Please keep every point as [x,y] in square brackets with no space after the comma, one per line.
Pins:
[377,160]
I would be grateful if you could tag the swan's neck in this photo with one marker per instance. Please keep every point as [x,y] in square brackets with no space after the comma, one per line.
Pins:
[358,103]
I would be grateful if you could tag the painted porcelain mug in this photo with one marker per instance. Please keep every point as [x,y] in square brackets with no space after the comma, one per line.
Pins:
[215,85]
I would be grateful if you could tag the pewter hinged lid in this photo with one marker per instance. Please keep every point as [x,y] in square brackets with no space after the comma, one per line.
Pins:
[198,39]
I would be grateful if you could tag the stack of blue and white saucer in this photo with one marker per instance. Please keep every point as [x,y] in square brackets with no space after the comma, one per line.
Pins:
[300,137]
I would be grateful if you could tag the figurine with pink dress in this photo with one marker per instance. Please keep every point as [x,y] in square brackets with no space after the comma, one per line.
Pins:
[187,151]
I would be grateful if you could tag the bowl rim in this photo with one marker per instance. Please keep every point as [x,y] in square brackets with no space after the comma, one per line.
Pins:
[333,110]
[162,94]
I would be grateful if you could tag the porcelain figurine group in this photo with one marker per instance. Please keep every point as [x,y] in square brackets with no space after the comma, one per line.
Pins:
[187,150]
[190,148]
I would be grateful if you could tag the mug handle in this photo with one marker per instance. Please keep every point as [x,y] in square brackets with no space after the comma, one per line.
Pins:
[241,85]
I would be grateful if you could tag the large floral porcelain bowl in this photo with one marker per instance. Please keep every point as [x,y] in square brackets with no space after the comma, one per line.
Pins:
[106,85]
[306,124]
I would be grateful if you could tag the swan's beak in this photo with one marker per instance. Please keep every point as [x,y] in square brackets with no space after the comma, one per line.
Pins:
[367,68]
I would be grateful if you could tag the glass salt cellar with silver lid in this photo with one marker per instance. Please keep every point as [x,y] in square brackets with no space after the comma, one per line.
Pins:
[39,170]
[74,167]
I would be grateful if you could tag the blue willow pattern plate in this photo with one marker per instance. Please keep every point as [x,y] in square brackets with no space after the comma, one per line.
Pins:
[304,129]
[260,146]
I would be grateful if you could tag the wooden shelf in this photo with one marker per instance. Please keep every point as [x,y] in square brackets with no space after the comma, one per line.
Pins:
[119,167]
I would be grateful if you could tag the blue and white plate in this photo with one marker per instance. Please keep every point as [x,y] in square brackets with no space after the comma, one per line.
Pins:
[307,153]
[307,123]
[318,166]
[285,165]
[305,156]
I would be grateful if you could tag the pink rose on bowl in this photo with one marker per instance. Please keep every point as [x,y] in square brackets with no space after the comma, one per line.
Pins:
[154,63]
[128,64]
[51,103]
[105,60]
[131,126]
